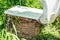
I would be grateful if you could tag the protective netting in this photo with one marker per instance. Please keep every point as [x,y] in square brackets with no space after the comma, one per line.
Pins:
[51,10]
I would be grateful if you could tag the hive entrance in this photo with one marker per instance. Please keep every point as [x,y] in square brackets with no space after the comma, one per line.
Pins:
[25,27]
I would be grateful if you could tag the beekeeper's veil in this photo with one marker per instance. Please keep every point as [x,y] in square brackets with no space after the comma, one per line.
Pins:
[50,11]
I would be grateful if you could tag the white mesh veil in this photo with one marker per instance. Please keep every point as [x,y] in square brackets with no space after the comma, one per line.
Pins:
[50,11]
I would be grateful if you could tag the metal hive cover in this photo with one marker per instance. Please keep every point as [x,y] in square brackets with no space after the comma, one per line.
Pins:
[26,12]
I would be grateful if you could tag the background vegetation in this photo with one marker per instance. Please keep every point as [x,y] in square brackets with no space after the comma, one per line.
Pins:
[48,32]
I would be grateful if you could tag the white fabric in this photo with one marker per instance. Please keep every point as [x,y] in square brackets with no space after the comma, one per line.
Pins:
[50,11]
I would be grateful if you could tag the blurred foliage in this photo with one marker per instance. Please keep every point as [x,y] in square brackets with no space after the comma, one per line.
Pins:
[49,32]
[34,4]
[2,20]
[7,36]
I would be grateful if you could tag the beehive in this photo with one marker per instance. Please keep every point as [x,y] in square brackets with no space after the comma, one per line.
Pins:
[25,27]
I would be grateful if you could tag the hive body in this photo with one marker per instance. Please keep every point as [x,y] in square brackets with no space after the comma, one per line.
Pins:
[25,27]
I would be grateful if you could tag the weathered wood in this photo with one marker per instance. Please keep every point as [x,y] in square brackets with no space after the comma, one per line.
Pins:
[27,28]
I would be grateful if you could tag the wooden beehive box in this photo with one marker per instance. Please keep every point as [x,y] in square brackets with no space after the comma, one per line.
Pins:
[25,27]
[24,20]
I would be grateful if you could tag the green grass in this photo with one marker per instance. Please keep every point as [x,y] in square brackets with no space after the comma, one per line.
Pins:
[4,35]
[49,32]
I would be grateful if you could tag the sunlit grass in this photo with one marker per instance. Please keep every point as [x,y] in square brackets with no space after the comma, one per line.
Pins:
[4,35]
[51,31]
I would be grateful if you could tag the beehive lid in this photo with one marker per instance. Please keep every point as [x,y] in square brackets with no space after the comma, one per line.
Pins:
[26,12]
